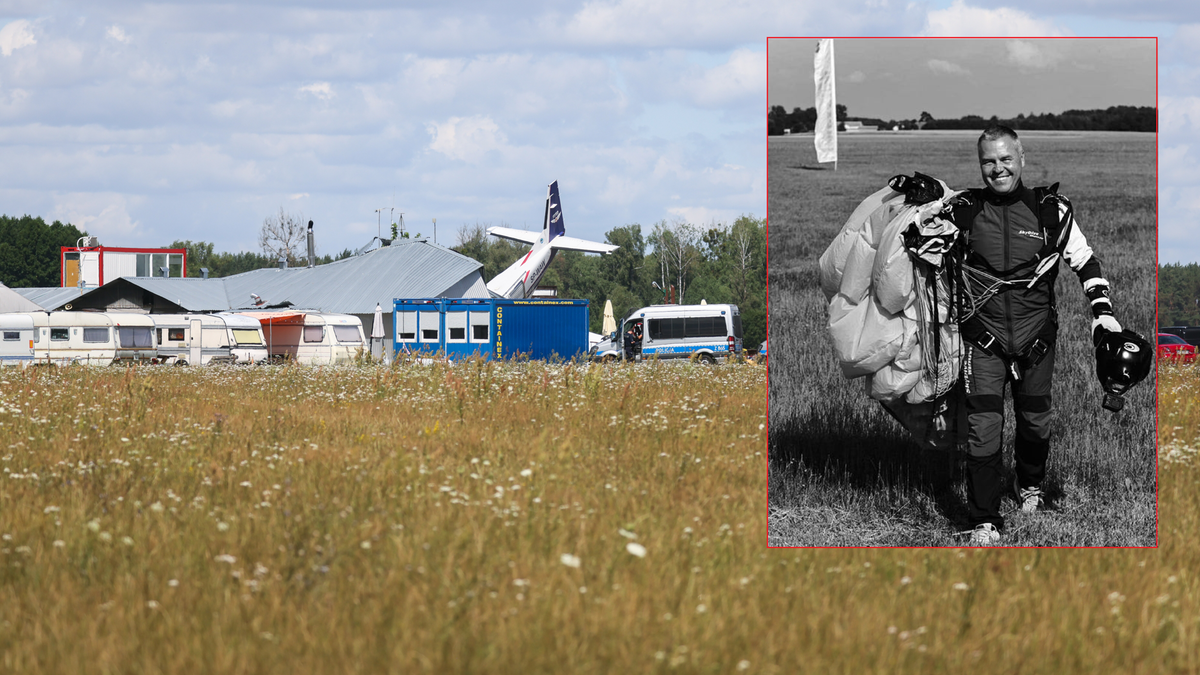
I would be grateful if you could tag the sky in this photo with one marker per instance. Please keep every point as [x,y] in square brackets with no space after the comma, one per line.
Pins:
[949,78]
[146,123]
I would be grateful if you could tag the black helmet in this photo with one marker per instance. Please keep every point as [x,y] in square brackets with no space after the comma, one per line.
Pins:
[1122,360]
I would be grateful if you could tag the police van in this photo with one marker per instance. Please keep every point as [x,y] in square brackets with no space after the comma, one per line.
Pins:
[704,332]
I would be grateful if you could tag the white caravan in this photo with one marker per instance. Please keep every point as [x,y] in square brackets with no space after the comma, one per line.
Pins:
[184,339]
[62,338]
[676,331]
[16,339]
[521,278]
[311,337]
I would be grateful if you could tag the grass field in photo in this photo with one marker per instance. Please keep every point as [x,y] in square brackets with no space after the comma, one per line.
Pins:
[842,472]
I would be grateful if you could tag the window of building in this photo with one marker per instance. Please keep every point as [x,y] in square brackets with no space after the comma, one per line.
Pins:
[480,326]
[12,335]
[247,336]
[60,334]
[175,334]
[406,327]
[456,326]
[314,333]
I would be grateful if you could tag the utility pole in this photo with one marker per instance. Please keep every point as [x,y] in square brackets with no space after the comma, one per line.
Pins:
[378,224]
[435,230]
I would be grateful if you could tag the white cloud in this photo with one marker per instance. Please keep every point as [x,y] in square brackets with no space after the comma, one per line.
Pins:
[101,214]
[15,35]
[467,139]
[857,77]
[743,76]
[1179,114]
[117,33]
[1029,56]
[946,68]
[321,90]
[962,20]
[298,195]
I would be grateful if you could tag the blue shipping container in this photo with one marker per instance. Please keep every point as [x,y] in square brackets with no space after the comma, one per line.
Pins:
[494,328]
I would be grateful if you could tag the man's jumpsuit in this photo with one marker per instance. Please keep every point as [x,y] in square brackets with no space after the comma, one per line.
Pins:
[1011,339]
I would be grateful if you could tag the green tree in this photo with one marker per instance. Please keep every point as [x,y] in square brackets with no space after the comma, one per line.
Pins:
[30,251]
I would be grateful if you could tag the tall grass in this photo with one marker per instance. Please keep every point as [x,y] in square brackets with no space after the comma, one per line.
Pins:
[843,473]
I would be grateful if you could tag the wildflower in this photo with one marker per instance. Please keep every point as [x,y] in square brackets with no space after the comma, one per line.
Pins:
[152,604]
[124,440]
[106,537]
[904,581]
[245,483]
[174,583]
[636,549]
[50,509]
[222,526]
[960,586]
[366,544]
[225,558]
[627,534]
[94,525]
[127,540]
[525,473]
[743,664]
[583,589]
[59,543]
[157,507]
[569,560]
[700,609]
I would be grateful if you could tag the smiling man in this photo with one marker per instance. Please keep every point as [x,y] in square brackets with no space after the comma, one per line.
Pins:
[1014,238]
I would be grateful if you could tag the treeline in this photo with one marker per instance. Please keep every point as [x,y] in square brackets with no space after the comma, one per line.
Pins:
[1179,295]
[1115,118]
[200,254]
[718,264]
[29,251]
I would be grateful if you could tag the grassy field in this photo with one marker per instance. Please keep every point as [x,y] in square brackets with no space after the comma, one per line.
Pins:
[371,520]
[842,472]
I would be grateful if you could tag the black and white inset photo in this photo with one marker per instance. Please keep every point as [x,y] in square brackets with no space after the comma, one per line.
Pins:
[962,258]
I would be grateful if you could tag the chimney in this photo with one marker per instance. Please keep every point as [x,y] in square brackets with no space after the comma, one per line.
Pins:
[164,271]
[282,263]
[312,253]
[203,272]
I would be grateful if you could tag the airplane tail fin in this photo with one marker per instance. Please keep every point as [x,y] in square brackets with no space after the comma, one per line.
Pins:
[554,218]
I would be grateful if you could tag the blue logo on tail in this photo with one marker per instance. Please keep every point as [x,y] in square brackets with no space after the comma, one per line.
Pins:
[555,213]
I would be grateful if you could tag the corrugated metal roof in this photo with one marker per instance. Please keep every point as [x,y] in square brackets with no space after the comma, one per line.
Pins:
[11,301]
[52,298]
[407,269]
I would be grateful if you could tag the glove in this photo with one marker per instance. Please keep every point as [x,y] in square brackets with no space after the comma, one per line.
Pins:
[1105,323]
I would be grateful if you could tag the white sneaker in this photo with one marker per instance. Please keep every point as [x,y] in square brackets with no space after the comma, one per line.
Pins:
[985,534]
[1029,499]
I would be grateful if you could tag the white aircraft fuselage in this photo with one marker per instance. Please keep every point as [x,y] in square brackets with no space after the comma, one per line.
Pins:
[522,277]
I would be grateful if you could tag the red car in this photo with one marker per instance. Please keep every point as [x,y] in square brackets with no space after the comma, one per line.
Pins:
[1174,348]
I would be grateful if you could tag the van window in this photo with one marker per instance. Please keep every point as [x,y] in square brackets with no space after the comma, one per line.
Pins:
[313,333]
[12,335]
[347,334]
[60,334]
[175,334]
[666,329]
[131,337]
[737,326]
[247,336]
[705,326]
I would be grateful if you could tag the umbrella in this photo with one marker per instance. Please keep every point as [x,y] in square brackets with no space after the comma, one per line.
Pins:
[610,323]
[376,327]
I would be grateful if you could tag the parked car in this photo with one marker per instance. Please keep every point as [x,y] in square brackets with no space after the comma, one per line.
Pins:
[762,352]
[1175,348]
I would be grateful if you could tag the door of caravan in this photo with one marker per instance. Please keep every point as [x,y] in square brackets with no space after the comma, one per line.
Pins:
[196,343]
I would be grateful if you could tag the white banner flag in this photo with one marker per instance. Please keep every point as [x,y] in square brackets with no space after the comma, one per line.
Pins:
[826,131]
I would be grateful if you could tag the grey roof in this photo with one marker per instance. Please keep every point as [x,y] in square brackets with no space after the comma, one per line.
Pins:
[51,298]
[11,301]
[406,269]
